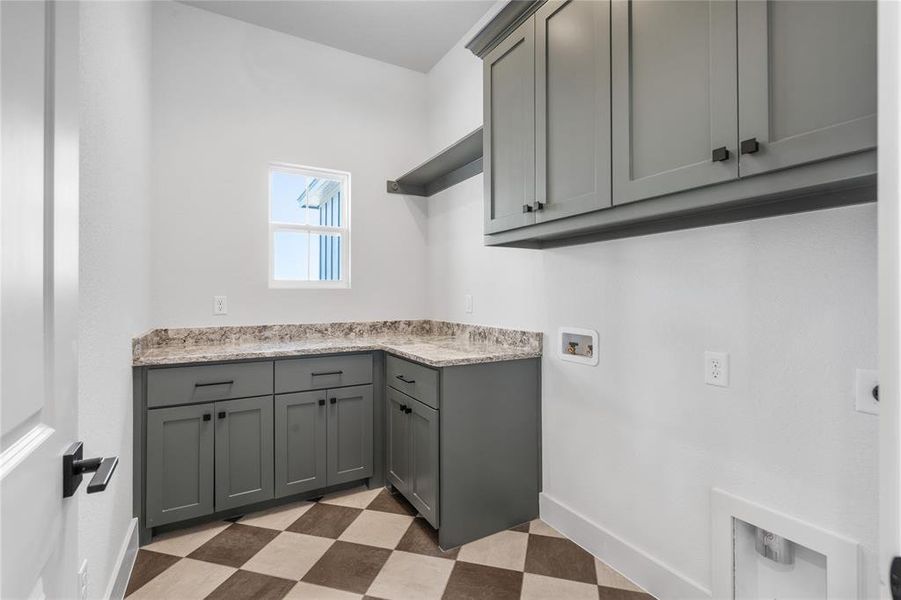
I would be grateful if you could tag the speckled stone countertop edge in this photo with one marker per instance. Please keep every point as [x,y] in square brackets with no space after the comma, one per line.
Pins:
[434,343]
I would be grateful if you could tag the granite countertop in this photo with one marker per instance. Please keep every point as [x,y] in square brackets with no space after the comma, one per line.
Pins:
[434,343]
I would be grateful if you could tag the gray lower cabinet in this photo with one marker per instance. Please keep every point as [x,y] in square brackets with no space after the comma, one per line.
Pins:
[244,451]
[572,108]
[300,442]
[806,81]
[509,139]
[413,436]
[179,463]
[349,452]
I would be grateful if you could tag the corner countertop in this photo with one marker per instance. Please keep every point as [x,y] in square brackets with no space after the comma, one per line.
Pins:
[433,343]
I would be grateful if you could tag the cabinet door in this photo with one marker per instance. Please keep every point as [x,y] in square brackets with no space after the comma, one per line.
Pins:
[179,463]
[807,81]
[424,461]
[244,455]
[509,132]
[572,108]
[398,459]
[674,96]
[349,434]
[300,447]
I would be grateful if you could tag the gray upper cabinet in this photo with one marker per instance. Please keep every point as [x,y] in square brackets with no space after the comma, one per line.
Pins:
[300,442]
[424,463]
[349,455]
[398,459]
[675,109]
[806,81]
[179,480]
[572,108]
[244,451]
[509,131]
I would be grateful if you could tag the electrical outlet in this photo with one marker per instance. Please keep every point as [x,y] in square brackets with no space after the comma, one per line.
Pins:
[83,580]
[716,369]
[467,302]
[866,401]
[220,305]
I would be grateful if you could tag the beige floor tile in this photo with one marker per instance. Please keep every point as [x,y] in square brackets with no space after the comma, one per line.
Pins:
[412,577]
[289,556]
[539,527]
[505,550]
[278,517]
[186,580]
[539,587]
[185,541]
[609,577]
[358,497]
[308,591]
[374,528]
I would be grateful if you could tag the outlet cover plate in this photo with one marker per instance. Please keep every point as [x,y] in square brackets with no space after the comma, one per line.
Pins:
[865,381]
[220,305]
[716,368]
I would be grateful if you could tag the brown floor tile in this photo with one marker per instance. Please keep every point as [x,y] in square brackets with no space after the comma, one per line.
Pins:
[325,520]
[147,566]
[392,503]
[524,528]
[234,546]
[420,538]
[349,567]
[609,593]
[559,557]
[244,584]
[476,582]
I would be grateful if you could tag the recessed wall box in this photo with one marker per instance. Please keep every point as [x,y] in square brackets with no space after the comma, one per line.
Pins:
[578,345]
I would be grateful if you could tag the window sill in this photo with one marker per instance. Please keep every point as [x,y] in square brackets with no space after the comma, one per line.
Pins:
[308,285]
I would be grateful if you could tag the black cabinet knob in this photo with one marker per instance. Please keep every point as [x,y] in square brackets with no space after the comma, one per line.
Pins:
[538,205]
[207,416]
[221,414]
[408,410]
[749,146]
[720,154]
[527,208]
[333,400]
[403,408]
[322,402]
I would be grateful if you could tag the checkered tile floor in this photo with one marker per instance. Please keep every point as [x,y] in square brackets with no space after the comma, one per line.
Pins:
[365,543]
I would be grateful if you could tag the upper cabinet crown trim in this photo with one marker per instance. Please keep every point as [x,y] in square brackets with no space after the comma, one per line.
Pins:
[503,24]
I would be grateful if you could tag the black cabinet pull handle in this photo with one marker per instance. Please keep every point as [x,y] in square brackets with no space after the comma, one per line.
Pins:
[402,378]
[324,373]
[749,146]
[229,382]
[720,154]
[322,402]
[538,205]
[221,414]
[207,416]
[408,410]
[527,208]
[333,400]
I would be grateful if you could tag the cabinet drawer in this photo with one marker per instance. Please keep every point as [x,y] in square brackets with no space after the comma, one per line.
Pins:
[298,375]
[414,380]
[189,385]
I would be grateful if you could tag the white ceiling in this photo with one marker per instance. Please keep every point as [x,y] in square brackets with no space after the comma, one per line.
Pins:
[413,34]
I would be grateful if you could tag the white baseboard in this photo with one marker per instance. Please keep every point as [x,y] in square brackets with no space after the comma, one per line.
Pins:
[115,590]
[657,578]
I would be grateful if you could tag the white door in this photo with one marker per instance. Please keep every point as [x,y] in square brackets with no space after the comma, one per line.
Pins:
[38,296]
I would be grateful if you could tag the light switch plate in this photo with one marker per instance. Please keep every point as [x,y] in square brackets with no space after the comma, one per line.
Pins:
[865,381]
[716,368]
[220,305]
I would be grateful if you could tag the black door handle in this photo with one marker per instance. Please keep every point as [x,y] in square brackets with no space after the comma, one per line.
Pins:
[749,146]
[74,467]
[207,416]
[401,377]
[332,400]
[720,154]
[221,414]
[322,402]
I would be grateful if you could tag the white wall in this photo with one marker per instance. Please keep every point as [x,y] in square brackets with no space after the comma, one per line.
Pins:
[228,98]
[635,444]
[114,259]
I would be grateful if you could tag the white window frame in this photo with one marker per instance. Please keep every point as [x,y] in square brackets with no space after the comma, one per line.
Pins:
[343,231]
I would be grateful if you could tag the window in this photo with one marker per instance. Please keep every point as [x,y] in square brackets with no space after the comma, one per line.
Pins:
[309,227]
